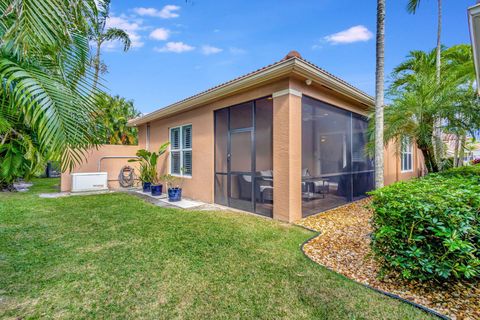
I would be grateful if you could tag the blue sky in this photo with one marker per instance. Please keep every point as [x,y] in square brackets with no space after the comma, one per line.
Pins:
[182,48]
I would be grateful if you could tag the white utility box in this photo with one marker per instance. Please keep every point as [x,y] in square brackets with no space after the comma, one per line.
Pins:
[89,181]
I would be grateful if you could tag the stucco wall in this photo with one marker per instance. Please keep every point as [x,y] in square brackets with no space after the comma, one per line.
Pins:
[286,138]
[200,185]
[111,166]
[392,165]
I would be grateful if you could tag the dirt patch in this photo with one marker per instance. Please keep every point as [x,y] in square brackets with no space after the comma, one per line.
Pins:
[344,246]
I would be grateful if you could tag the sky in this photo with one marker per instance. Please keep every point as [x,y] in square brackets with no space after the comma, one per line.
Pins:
[180,48]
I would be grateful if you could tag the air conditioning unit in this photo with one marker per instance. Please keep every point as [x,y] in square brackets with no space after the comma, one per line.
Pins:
[89,181]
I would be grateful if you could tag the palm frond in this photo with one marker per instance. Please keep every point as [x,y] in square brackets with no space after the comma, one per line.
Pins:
[118,34]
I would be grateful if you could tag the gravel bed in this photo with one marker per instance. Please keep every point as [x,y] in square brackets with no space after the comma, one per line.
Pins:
[344,246]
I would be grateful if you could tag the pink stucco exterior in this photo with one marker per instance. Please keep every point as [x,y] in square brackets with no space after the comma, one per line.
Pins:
[286,90]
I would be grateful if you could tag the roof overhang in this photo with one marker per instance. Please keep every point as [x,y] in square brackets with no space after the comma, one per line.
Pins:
[293,66]
[474,22]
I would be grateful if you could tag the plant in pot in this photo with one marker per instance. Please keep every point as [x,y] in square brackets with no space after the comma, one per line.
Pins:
[148,166]
[173,189]
[156,186]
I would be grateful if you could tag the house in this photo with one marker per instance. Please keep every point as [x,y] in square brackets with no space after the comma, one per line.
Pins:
[285,141]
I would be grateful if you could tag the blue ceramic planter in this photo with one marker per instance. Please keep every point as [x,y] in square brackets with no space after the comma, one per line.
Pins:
[146,186]
[174,194]
[156,190]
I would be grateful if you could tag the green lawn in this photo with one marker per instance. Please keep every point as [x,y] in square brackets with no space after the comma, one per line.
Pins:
[115,256]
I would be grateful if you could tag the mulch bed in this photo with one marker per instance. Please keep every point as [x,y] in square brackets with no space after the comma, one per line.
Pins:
[344,246]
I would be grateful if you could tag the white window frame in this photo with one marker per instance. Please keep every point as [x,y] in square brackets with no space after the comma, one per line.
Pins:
[406,149]
[181,150]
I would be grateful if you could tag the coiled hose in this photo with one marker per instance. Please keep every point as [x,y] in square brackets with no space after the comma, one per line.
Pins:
[127,177]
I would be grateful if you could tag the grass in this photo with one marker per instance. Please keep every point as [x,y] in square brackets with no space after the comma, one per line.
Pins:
[115,256]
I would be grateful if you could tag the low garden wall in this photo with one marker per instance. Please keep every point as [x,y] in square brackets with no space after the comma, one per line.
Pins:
[110,165]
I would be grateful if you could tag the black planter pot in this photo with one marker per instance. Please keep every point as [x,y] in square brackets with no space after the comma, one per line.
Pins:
[174,194]
[146,186]
[156,190]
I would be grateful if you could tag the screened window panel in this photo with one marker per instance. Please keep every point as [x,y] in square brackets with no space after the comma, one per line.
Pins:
[325,138]
[221,140]
[187,137]
[264,135]
[241,191]
[221,195]
[241,116]
[241,151]
[362,183]
[175,138]
[335,166]
[187,163]
[360,160]
[175,162]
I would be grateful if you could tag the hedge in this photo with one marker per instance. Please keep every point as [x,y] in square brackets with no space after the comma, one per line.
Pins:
[429,228]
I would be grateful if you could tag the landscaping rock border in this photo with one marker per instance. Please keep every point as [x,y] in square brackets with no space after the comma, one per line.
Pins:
[316,251]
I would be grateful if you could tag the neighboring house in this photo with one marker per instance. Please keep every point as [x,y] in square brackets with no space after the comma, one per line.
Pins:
[471,151]
[285,141]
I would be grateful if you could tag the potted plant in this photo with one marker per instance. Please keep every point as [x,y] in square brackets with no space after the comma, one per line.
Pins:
[156,186]
[148,166]
[173,189]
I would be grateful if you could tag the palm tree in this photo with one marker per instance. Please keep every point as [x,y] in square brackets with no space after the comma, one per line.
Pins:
[45,80]
[412,7]
[99,34]
[112,118]
[379,93]
[419,101]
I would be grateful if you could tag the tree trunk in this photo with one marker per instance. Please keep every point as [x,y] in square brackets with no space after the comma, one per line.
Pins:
[461,155]
[437,131]
[456,150]
[379,93]
[96,65]
[429,159]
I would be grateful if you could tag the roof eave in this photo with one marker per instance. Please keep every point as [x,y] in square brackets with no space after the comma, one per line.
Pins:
[320,76]
[271,73]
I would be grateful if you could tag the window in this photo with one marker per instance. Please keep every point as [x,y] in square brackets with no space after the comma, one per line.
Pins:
[181,150]
[407,155]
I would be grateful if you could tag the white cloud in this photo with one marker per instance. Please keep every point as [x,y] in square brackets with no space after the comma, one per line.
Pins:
[167,12]
[176,47]
[161,34]
[237,51]
[208,50]
[131,27]
[354,34]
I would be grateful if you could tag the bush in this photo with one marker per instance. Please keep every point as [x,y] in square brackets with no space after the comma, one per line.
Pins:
[428,228]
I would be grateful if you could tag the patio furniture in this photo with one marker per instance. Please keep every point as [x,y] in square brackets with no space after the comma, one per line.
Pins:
[245,187]
[264,186]
[315,188]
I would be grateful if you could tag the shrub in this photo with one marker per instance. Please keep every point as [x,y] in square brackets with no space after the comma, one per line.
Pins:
[428,228]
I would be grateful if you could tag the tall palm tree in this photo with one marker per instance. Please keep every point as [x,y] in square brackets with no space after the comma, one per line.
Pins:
[412,7]
[99,34]
[418,101]
[379,94]
[45,80]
